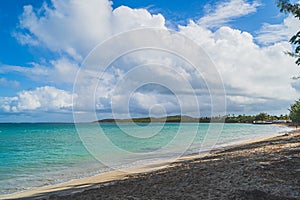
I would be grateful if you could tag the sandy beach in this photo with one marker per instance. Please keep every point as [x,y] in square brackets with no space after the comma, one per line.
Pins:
[261,169]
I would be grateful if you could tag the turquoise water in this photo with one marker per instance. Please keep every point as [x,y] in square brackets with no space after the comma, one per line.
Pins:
[33,155]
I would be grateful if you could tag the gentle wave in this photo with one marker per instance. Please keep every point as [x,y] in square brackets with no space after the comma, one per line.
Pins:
[35,155]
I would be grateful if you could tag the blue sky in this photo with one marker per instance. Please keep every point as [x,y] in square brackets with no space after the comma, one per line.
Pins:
[43,44]
[177,12]
[180,12]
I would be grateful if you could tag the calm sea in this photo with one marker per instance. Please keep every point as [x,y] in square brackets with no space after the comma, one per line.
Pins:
[34,155]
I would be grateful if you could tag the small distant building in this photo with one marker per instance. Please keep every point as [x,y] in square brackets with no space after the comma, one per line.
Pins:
[262,122]
[282,121]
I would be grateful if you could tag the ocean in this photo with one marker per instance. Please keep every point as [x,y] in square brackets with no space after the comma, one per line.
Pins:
[35,155]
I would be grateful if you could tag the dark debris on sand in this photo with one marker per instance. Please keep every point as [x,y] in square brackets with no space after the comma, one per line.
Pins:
[267,169]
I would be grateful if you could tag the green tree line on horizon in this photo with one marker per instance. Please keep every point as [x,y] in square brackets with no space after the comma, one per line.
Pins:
[216,119]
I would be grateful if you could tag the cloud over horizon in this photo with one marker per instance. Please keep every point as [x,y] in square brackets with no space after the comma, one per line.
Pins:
[42,99]
[256,77]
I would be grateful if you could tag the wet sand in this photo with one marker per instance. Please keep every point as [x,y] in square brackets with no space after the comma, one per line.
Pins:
[262,169]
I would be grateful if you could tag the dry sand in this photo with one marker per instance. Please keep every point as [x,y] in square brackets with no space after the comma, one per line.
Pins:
[265,169]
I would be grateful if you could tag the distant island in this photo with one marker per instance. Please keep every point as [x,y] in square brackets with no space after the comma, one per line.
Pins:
[261,118]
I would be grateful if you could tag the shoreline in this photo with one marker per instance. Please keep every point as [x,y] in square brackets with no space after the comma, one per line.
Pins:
[88,183]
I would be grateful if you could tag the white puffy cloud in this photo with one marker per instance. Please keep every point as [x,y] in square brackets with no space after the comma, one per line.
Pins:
[71,26]
[75,27]
[42,99]
[125,18]
[146,67]
[253,76]
[227,11]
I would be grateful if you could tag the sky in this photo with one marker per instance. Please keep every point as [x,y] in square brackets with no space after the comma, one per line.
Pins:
[236,49]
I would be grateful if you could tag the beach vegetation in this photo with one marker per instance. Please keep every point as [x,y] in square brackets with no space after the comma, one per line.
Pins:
[295,112]
[216,119]
[263,117]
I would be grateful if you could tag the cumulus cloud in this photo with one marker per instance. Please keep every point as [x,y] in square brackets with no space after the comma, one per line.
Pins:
[42,99]
[227,11]
[253,76]
[74,27]
[65,25]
